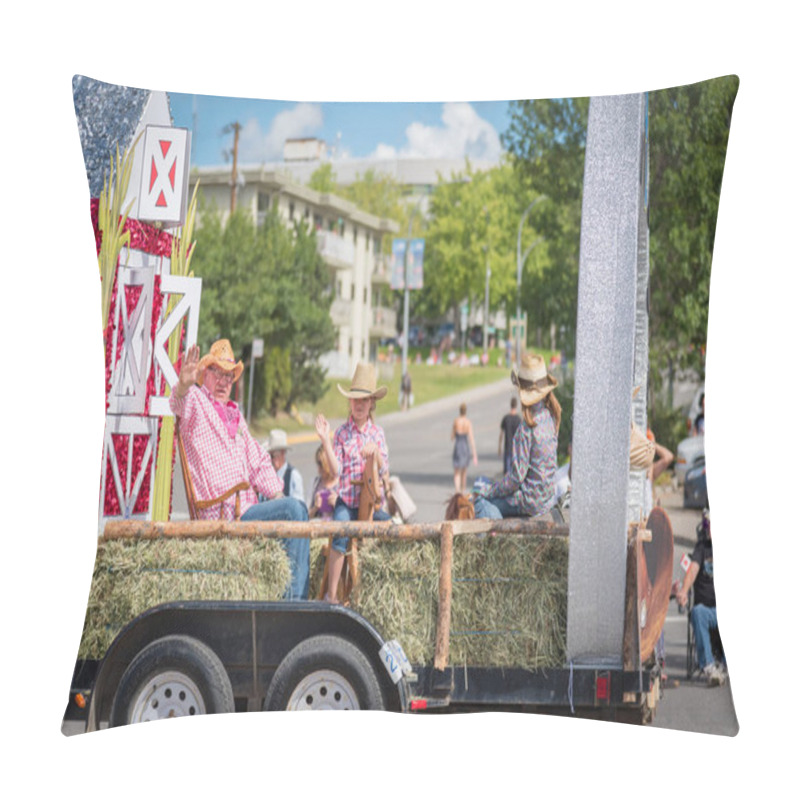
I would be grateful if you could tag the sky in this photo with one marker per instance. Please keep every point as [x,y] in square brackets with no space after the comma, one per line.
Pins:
[350,130]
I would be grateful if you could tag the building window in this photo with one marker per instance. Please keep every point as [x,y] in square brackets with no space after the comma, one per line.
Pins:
[355,235]
[352,291]
[317,222]
[263,201]
[291,211]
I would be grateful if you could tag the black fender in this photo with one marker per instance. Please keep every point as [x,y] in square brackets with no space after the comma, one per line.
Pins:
[250,638]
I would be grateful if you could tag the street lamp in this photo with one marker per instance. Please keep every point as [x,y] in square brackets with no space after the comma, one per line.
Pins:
[406,264]
[520,262]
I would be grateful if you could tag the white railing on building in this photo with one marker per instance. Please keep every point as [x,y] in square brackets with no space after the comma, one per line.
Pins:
[331,245]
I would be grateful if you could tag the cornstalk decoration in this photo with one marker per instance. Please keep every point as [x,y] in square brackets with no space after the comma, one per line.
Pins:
[111,221]
[182,250]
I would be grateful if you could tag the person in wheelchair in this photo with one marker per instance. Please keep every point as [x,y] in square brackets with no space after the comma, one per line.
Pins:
[700,578]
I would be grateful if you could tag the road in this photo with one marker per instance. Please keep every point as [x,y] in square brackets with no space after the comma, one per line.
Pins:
[420,453]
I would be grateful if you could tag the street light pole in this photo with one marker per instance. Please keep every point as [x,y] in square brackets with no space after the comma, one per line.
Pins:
[520,263]
[406,262]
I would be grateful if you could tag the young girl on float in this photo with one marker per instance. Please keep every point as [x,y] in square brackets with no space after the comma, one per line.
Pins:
[528,489]
[353,441]
[324,491]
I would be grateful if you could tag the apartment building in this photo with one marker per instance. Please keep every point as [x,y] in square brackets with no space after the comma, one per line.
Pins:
[348,239]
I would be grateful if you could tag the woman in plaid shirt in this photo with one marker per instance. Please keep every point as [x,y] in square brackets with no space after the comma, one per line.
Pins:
[528,489]
[359,437]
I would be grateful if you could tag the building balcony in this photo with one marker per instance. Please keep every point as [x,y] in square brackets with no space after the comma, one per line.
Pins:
[383,323]
[336,250]
[341,312]
[383,270]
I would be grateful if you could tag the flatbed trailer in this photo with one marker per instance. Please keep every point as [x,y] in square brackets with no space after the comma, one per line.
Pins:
[252,656]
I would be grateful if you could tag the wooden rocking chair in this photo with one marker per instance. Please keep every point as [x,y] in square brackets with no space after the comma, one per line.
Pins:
[193,503]
[369,502]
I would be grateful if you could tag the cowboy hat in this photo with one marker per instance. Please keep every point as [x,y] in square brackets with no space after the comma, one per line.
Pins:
[220,355]
[533,380]
[277,440]
[363,384]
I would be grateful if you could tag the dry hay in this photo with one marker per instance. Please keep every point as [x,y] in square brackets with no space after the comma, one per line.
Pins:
[131,576]
[509,606]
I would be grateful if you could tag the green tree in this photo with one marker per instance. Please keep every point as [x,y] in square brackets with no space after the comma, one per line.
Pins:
[266,282]
[323,179]
[376,193]
[546,141]
[689,128]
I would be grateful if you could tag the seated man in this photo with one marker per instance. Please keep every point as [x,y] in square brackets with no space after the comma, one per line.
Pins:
[704,611]
[221,452]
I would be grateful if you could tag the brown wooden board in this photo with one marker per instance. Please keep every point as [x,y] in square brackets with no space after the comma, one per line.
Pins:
[655,580]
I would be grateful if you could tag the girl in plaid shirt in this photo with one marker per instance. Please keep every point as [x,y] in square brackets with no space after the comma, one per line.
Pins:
[353,441]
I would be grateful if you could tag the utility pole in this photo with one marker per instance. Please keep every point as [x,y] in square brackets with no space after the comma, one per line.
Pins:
[235,127]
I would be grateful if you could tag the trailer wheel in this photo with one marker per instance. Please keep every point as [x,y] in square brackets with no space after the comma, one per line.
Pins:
[324,673]
[176,676]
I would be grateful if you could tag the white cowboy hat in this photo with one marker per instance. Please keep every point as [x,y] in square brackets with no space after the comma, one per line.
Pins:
[277,440]
[532,379]
[220,355]
[363,384]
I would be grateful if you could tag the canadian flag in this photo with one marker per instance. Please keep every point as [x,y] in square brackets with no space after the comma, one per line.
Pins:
[165,175]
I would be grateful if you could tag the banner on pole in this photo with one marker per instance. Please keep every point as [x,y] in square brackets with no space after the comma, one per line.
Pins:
[415,259]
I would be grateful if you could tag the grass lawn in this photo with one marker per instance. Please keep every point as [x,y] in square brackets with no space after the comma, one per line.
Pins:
[427,382]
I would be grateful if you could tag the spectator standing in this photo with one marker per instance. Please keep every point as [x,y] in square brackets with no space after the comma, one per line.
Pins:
[405,391]
[508,427]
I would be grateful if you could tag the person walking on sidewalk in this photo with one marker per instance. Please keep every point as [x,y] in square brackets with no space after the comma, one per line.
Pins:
[463,448]
[508,427]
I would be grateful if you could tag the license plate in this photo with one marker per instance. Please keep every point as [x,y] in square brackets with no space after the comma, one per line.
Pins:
[395,661]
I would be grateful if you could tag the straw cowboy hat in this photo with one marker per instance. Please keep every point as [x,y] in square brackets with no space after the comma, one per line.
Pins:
[532,379]
[220,355]
[277,440]
[363,384]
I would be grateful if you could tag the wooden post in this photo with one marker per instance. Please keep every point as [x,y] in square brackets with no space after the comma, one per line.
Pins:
[442,654]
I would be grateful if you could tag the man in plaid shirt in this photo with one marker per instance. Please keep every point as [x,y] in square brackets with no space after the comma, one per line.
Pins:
[221,452]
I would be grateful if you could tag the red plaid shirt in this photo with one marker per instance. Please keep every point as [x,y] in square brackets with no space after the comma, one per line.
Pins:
[348,442]
[217,460]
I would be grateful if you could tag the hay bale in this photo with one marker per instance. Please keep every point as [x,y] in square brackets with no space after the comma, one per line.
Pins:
[509,604]
[131,576]
[399,593]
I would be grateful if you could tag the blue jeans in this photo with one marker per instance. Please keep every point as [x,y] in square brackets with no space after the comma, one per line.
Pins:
[343,513]
[297,549]
[704,618]
[496,508]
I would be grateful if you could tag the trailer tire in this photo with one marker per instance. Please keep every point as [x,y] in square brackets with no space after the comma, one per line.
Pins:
[324,673]
[172,677]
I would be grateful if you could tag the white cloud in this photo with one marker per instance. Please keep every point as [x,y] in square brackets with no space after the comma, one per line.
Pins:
[304,119]
[462,133]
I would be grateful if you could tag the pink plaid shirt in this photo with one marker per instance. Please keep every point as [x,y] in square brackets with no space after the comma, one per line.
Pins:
[217,460]
[348,442]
